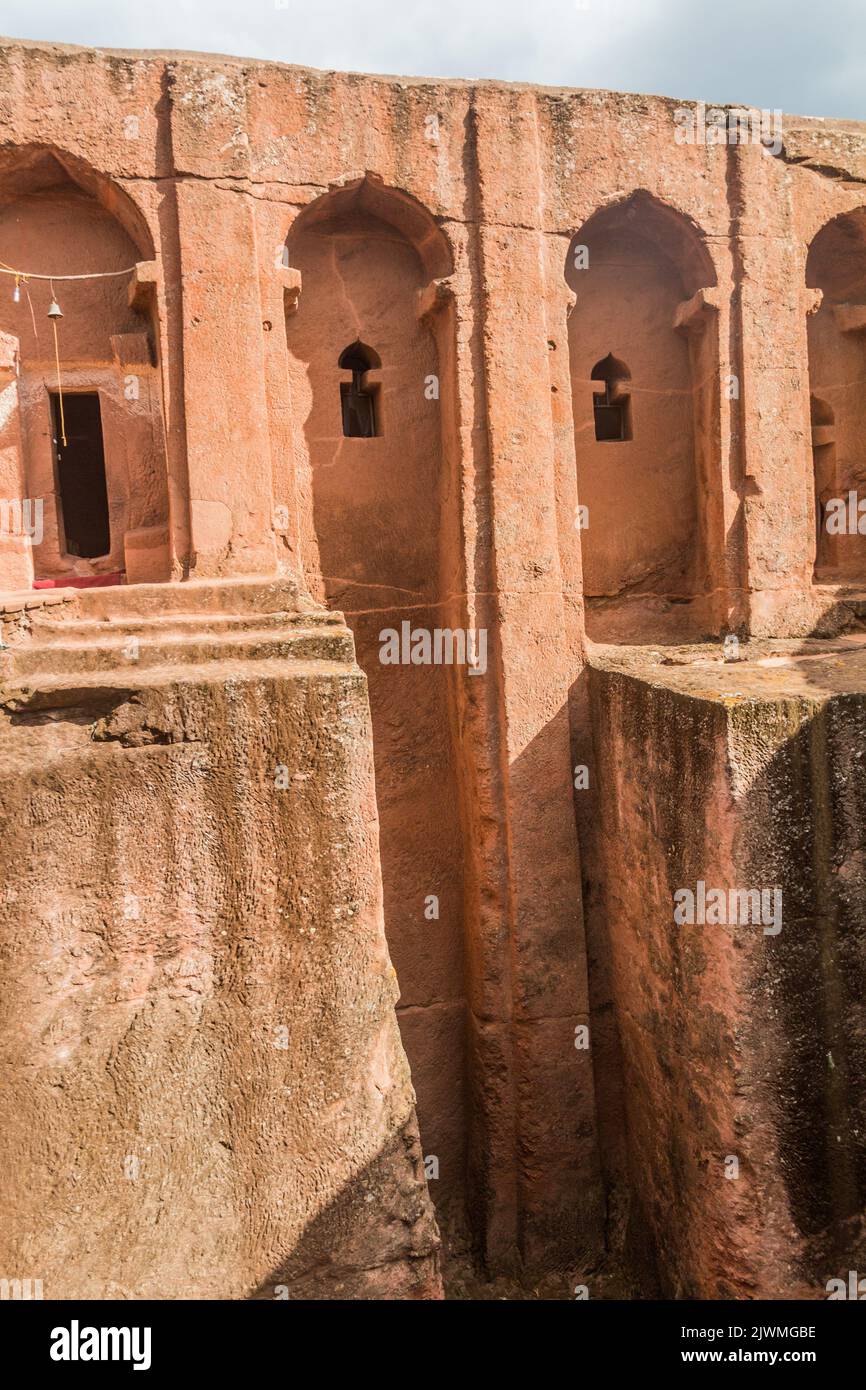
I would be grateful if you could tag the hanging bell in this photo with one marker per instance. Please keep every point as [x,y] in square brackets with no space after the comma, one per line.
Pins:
[16,293]
[54,310]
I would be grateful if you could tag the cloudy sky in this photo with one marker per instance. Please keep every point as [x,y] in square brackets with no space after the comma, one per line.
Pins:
[802,56]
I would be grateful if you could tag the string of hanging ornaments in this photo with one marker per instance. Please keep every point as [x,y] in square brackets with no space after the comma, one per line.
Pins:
[54,311]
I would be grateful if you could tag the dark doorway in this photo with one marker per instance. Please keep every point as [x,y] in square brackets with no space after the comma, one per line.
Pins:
[81,474]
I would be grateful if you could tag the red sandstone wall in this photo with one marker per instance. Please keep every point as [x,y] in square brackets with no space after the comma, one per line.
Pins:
[212,161]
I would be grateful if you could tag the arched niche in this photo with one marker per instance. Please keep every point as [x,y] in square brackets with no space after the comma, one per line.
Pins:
[643,345]
[104,491]
[836,333]
[377,523]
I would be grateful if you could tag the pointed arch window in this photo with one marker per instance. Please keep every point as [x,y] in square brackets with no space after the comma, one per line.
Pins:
[357,397]
[611,406]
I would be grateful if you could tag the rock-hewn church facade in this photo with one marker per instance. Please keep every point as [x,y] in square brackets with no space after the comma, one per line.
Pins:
[430,544]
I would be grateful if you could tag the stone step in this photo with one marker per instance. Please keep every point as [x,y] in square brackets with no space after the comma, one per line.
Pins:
[112,656]
[74,630]
[279,594]
[193,596]
[72,690]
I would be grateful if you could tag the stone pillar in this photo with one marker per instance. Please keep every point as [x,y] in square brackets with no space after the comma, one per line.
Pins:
[132,425]
[558,1200]
[776,444]
[225,399]
[228,445]
[17,508]
[280,290]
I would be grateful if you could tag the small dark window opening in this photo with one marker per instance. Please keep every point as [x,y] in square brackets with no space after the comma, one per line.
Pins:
[81,474]
[358,400]
[612,407]
[824,464]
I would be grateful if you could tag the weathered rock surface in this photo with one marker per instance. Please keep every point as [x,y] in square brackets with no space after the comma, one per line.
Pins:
[742,1034]
[203,1091]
